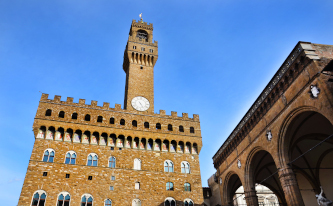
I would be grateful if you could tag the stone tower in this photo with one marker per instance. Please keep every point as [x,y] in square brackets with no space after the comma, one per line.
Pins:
[85,154]
[139,60]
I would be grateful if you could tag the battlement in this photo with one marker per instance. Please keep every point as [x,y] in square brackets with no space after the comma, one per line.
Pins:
[117,108]
[142,41]
[142,24]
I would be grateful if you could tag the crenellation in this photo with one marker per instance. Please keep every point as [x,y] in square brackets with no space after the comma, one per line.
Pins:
[106,105]
[185,115]
[162,112]
[173,114]
[44,97]
[70,100]
[117,107]
[196,117]
[93,103]
[82,102]
[57,98]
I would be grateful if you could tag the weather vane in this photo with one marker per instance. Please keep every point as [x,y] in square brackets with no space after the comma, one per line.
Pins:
[140,15]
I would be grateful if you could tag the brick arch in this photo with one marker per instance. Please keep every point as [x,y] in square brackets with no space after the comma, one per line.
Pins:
[230,183]
[282,148]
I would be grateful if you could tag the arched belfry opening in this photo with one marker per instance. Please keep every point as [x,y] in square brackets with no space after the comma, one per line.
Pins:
[142,35]
[306,149]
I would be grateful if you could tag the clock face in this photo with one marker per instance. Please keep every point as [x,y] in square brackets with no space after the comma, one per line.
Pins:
[140,103]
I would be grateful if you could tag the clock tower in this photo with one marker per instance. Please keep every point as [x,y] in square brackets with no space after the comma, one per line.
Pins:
[140,56]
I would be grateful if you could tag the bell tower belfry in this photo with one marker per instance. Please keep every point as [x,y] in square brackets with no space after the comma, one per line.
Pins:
[140,56]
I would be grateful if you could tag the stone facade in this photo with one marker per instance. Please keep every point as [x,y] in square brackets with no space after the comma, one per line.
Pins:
[65,126]
[292,115]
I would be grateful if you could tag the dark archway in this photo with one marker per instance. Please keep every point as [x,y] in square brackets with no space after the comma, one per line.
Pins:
[231,184]
[313,169]
[261,169]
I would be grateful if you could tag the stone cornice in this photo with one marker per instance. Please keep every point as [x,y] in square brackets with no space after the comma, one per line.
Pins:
[299,48]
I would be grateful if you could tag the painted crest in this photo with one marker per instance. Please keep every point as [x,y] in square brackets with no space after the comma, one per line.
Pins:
[314,91]
[239,164]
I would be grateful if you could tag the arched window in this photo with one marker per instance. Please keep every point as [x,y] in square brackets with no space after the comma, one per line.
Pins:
[107,202]
[134,123]
[187,187]
[63,199]
[146,124]
[61,114]
[112,162]
[169,127]
[158,126]
[169,186]
[111,120]
[181,128]
[168,166]
[136,202]
[188,202]
[48,155]
[92,159]
[87,200]
[70,158]
[186,167]
[170,202]
[99,119]
[87,117]
[122,122]
[137,164]
[74,115]
[48,112]
[38,199]
[191,129]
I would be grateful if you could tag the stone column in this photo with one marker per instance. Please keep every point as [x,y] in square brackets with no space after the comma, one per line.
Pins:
[251,197]
[290,187]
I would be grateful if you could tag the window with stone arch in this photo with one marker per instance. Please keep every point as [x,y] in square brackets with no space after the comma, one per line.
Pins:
[64,199]
[188,202]
[74,115]
[112,162]
[48,112]
[137,164]
[146,124]
[62,114]
[48,155]
[158,126]
[70,158]
[87,117]
[122,122]
[185,167]
[169,186]
[187,187]
[169,201]
[168,166]
[136,202]
[169,127]
[107,202]
[191,129]
[87,200]
[181,128]
[39,197]
[92,159]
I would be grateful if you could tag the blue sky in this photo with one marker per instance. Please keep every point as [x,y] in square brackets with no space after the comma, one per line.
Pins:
[215,57]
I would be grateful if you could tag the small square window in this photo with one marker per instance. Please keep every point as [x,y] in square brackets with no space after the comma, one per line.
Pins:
[67,175]
[134,47]
[111,188]
[137,185]
[89,177]
[119,148]
[113,178]
[142,49]
[151,51]
[112,148]
[44,174]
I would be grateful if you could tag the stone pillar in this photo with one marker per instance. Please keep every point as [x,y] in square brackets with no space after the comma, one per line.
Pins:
[251,197]
[290,187]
